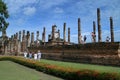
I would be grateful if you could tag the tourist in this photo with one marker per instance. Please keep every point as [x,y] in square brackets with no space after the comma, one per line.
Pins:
[30,55]
[81,40]
[35,56]
[25,54]
[39,55]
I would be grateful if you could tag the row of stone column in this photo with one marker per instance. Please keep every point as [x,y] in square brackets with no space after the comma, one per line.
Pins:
[64,33]
[23,38]
[99,28]
[20,41]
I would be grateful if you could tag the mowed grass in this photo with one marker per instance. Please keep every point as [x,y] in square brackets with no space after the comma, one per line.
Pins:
[13,71]
[80,66]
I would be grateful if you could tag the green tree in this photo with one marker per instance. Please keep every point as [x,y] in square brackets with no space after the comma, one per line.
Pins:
[3,16]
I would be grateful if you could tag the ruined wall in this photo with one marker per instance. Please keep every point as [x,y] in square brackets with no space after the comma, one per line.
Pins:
[96,53]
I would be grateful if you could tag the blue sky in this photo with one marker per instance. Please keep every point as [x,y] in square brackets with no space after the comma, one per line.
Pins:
[33,15]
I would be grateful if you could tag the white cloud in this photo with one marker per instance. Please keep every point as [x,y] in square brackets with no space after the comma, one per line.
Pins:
[29,10]
[58,10]
[16,6]
[45,4]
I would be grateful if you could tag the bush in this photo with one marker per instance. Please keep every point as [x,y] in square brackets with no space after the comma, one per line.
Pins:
[64,73]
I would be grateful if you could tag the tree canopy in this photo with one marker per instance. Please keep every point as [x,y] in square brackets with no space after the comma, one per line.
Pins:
[3,16]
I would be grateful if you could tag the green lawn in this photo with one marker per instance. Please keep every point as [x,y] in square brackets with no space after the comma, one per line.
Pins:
[12,71]
[79,66]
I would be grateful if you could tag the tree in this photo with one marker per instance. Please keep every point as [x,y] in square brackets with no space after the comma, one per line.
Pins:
[3,16]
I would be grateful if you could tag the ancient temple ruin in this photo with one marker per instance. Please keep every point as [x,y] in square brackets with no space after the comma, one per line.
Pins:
[20,41]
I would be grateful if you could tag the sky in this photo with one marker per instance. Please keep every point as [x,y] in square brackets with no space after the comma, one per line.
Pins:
[33,15]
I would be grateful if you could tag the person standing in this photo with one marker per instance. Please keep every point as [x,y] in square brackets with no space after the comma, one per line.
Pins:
[39,55]
[81,40]
[35,56]
[25,54]
[30,55]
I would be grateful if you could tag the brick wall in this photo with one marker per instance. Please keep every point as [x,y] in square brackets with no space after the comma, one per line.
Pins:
[95,53]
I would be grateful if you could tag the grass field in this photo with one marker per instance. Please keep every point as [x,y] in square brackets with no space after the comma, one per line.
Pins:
[79,66]
[12,71]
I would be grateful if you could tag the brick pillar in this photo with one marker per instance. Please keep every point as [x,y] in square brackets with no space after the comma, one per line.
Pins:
[17,36]
[99,25]
[64,32]
[79,31]
[19,47]
[53,33]
[59,34]
[12,45]
[16,44]
[28,39]
[20,36]
[111,29]
[32,39]
[37,39]
[94,30]
[23,36]
[23,46]
[43,36]
[69,35]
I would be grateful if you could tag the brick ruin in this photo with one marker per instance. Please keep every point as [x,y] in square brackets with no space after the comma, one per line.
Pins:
[24,41]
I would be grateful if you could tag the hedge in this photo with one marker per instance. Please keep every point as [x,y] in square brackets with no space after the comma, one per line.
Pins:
[65,73]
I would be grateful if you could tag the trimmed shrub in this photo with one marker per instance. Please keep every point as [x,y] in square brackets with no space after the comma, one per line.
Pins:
[65,73]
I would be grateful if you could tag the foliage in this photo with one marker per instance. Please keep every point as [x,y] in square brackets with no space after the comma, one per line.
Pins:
[3,16]
[65,73]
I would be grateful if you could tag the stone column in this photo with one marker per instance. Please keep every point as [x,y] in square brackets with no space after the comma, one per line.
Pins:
[111,29]
[14,36]
[59,34]
[49,37]
[79,31]
[32,39]
[53,33]
[64,32]
[19,48]
[9,45]
[69,35]
[23,36]
[94,30]
[12,45]
[99,25]
[37,36]
[23,47]
[28,39]
[20,36]
[16,44]
[43,36]
[17,36]
[37,39]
